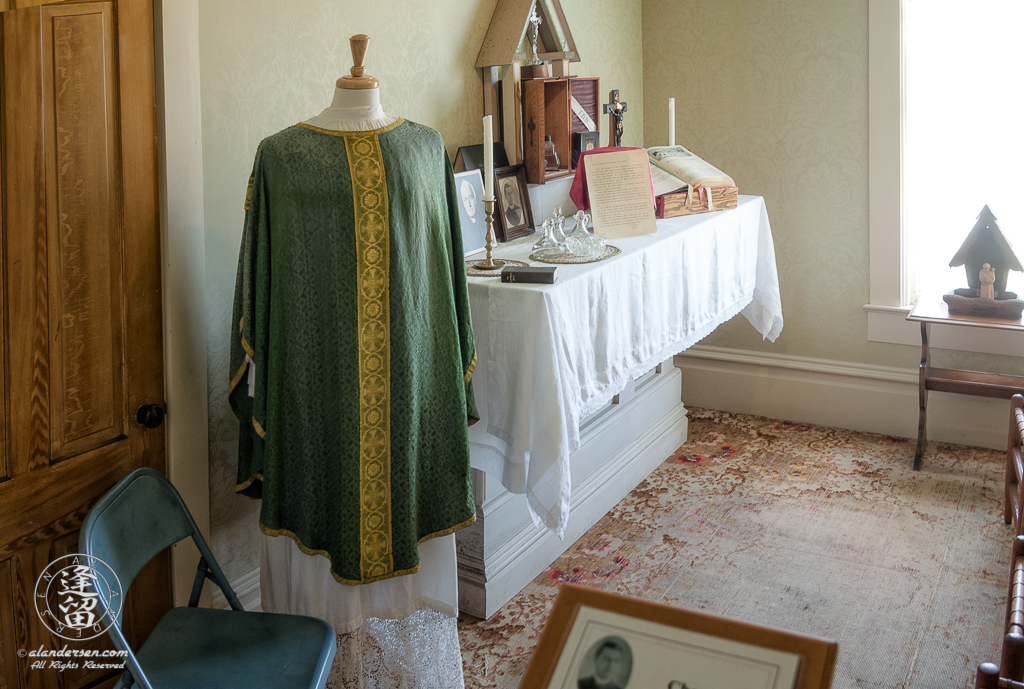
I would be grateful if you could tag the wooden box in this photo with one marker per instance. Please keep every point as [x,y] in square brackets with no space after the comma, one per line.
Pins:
[673,205]
[546,113]
[586,91]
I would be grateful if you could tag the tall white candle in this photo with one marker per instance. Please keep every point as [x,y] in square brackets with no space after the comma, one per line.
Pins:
[488,160]
[671,121]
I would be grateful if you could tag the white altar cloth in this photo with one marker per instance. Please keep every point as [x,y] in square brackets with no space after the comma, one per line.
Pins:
[551,355]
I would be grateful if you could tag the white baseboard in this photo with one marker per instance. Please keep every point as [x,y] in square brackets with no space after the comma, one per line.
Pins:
[246,587]
[874,399]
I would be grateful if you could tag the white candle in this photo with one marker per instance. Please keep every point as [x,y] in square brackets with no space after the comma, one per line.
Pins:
[488,160]
[671,121]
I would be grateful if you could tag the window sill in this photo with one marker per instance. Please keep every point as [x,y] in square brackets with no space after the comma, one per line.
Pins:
[890,324]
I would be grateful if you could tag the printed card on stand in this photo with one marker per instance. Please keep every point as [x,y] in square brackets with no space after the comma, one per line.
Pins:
[621,197]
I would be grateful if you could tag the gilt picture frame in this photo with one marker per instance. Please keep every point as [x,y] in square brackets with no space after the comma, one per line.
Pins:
[512,215]
[595,638]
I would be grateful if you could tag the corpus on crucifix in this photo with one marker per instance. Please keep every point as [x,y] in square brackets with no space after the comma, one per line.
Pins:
[535,68]
[536,21]
[615,109]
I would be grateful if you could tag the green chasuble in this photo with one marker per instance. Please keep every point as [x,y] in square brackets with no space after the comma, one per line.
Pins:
[351,304]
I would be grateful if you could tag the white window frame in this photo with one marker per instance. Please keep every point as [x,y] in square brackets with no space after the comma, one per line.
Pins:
[890,291]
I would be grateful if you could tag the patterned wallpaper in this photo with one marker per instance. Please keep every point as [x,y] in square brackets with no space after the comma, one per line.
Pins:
[774,92]
[264,68]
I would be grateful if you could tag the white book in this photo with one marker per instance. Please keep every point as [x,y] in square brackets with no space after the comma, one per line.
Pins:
[673,168]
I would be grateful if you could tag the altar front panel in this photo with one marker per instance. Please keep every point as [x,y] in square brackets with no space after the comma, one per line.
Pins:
[620,446]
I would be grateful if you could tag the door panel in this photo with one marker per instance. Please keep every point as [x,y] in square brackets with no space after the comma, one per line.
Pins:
[19,4]
[84,227]
[75,678]
[8,649]
[25,240]
[25,566]
[80,311]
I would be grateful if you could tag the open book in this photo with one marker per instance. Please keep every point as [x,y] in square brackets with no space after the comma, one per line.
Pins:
[675,167]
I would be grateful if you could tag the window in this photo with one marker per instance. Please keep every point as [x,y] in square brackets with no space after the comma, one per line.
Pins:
[893,259]
[964,139]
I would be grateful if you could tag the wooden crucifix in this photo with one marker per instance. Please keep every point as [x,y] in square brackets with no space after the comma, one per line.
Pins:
[615,110]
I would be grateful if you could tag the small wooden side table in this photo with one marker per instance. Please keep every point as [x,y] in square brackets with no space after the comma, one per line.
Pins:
[997,385]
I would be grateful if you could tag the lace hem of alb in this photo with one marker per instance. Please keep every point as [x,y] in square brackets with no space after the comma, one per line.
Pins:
[418,652]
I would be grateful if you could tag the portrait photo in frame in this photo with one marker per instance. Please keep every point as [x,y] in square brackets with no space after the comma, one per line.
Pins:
[469,187]
[594,638]
[512,215]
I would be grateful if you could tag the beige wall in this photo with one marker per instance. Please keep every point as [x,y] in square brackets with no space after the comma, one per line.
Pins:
[775,92]
[265,66]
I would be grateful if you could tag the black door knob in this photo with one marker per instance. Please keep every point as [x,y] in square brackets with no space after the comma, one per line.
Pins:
[150,415]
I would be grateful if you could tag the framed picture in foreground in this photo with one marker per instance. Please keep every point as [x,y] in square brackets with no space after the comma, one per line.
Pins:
[512,215]
[598,639]
[470,188]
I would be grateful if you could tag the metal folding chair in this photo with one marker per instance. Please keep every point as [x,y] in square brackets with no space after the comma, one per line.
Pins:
[197,647]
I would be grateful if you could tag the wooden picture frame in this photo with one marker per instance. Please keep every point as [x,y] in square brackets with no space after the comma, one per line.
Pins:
[636,643]
[512,215]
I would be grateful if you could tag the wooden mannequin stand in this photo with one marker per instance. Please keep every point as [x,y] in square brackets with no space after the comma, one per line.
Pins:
[359,79]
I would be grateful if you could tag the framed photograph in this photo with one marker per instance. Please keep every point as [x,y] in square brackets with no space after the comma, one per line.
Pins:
[583,142]
[597,639]
[470,188]
[512,215]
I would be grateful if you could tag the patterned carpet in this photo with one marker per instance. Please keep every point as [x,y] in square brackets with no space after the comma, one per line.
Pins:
[811,529]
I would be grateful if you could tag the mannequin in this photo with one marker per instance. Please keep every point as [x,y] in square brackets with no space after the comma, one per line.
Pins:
[353,110]
[356,105]
[396,618]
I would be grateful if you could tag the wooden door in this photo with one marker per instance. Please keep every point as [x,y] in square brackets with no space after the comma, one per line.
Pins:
[80,342]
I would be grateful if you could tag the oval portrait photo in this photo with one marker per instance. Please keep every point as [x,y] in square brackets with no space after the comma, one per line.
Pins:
[607,665]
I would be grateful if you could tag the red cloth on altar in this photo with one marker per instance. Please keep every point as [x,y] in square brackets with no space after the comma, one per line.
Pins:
[578,191]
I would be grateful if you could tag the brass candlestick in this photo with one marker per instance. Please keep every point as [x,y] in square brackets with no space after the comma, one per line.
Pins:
[489,263]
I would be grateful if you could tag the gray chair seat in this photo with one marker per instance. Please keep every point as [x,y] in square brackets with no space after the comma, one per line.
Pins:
[229,649]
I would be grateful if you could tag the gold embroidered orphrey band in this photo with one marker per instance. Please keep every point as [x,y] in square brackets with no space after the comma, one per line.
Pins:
[370,199]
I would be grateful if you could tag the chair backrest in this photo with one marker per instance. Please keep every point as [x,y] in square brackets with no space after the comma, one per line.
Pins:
[140,516]
[137,518]
[1010,671]
[1013,499]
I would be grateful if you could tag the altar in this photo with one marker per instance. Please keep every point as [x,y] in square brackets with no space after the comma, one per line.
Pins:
[577,394]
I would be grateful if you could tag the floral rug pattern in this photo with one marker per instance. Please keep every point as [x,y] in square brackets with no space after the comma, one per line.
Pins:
[816,530]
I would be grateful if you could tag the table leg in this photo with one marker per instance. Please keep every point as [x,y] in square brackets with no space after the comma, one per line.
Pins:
[923,395]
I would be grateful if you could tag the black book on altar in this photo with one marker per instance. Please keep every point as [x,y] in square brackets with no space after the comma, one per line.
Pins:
[536,274]
[472,157]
